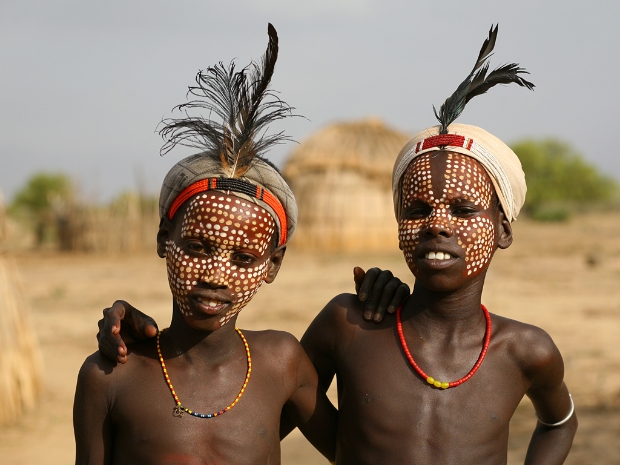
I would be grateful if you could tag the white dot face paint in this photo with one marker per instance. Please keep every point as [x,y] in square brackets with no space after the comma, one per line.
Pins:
[224,246]
[447,194]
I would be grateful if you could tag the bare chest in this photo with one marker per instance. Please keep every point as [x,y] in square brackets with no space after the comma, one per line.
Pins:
[387,412]
[149,429]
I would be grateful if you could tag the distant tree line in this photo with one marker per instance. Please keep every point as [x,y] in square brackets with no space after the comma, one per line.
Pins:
[559,180]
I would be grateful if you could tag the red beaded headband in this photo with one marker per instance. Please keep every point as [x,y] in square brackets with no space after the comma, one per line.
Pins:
[442,140]
[235,185]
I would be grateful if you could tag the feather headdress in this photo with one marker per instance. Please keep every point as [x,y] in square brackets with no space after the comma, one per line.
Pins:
[245,105]
[478,82]
[231,146]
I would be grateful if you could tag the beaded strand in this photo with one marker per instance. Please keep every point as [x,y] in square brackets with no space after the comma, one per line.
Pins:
[179,409]
[430,379]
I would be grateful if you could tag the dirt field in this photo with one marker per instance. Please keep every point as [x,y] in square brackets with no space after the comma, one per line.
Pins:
[562,277]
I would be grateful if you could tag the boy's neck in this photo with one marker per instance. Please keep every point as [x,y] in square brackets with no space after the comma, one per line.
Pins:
[451,309]
[183,340]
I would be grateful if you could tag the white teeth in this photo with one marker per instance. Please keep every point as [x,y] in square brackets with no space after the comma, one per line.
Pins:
[210,303]
[438,256]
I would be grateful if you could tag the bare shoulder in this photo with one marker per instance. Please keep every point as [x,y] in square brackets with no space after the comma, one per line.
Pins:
[278,345]
[531,347]
[343,311]
[97,378]
[96,367]
[98,370]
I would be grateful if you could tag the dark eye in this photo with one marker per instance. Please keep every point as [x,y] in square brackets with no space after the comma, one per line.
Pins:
[415,212]
[195,246]
[463,210]
[244,258]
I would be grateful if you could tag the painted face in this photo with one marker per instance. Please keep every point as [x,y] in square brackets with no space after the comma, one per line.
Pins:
[447,214]
[220,257]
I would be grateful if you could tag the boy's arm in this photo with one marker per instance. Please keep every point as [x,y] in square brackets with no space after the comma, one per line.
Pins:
[318,343]
[544,367]
[308,407]
[92,426]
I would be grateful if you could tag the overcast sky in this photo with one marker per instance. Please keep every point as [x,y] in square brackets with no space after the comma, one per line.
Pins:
[84,83]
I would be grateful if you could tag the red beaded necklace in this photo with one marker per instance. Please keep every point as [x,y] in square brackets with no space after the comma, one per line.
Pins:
[430,379]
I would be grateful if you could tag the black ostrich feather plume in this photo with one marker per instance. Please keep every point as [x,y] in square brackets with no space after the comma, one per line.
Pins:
[244,103]
[478,82]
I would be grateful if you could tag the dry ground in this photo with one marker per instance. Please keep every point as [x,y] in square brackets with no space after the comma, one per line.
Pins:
[562,277]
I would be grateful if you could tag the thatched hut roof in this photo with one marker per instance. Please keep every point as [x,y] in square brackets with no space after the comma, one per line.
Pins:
[341,178]
[368,147]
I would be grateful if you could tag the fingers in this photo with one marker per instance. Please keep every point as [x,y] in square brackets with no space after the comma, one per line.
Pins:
[383,282]
[368,279]
[387,294]
[358,277]
[400,296]
[139,325]
[110,342]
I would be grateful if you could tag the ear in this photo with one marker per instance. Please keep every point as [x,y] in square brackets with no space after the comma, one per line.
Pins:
[163,234]
[505,231]
[275,261]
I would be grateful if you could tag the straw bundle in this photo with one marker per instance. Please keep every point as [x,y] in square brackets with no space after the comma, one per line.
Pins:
[341,178]
[20,362]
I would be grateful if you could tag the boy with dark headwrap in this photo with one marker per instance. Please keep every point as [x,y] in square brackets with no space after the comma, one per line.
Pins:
[441,382]
[226,216]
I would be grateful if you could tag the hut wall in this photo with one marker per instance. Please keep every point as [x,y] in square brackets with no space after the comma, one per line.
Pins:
[127,227]
[344,211]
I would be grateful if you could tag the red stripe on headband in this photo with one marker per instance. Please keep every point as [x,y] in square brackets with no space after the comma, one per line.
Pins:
[211,184]
[189,191]
[442,140]
[277,207]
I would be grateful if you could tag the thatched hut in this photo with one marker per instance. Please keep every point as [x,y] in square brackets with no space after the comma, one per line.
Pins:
[20,362]
[341,177]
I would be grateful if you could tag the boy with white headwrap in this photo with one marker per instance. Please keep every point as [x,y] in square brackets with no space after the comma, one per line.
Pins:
[440,384]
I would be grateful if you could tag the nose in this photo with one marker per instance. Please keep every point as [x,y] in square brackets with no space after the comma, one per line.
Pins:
[214,275]
[439,225]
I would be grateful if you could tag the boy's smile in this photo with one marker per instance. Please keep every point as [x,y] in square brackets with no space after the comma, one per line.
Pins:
[218,256]
[447,215]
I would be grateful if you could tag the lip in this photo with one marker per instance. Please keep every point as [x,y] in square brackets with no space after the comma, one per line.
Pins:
[209,303]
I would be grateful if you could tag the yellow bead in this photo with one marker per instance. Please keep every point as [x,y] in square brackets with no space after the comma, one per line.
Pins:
[445,385]
[430,380]
[437,383]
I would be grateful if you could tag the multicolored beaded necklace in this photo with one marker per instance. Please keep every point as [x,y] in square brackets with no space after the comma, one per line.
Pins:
[179,409]
[430,379]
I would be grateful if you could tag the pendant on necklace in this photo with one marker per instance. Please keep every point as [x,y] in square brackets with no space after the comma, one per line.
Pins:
[178,411]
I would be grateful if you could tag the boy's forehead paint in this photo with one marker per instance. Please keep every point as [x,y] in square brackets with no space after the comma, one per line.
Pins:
[462,179]
[230,225]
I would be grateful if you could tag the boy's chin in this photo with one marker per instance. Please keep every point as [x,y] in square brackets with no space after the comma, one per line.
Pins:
[209,324]
[447,282]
